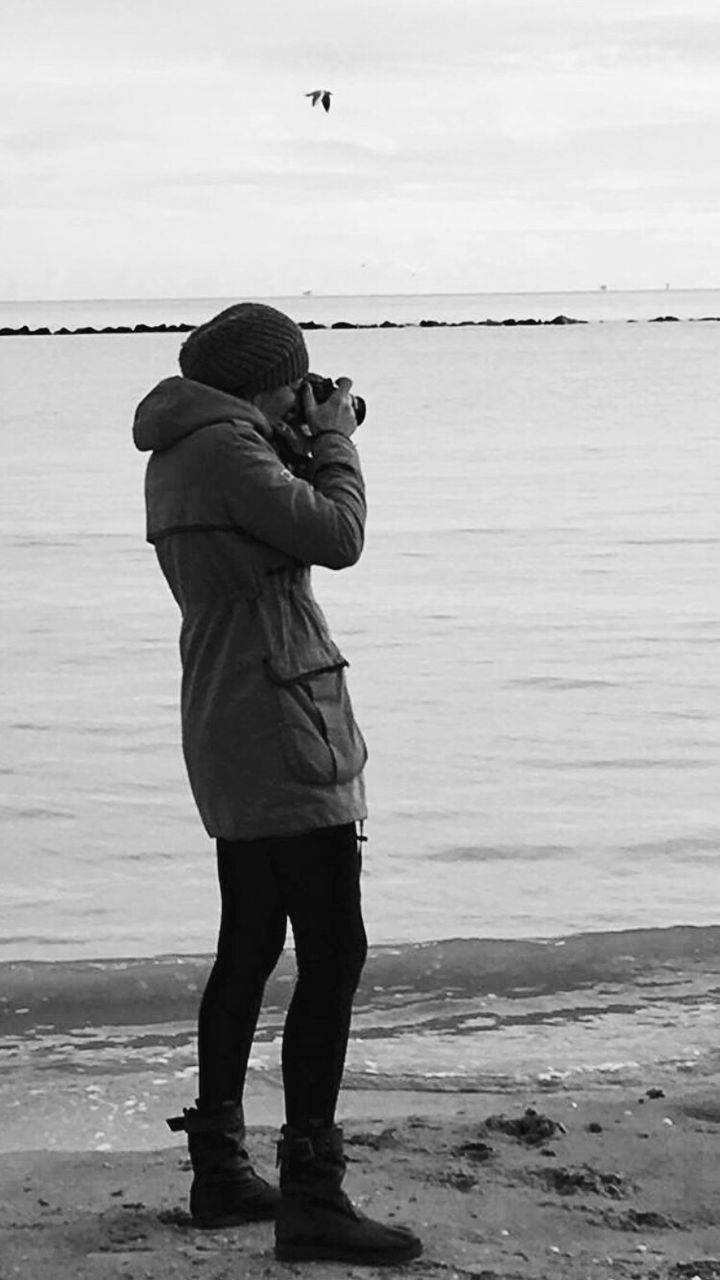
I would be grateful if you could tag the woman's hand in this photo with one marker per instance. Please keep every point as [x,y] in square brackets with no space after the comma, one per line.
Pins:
[336,414]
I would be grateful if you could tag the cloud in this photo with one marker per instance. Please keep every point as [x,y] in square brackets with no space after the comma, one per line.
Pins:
[49,140]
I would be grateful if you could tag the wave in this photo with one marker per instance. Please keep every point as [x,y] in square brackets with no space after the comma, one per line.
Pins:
[503,853]
[456,1015]
[562,684]
[687,847]
[149,991]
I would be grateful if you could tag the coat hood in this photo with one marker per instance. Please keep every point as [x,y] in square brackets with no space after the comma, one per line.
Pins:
[178,406]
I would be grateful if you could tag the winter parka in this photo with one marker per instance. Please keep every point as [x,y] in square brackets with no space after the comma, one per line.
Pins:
[269,737]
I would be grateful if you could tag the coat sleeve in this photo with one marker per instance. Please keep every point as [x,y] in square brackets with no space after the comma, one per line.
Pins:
[321,521]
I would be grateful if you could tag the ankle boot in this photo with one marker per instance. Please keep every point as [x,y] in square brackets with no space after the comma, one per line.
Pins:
[315,1219]
[225,1189]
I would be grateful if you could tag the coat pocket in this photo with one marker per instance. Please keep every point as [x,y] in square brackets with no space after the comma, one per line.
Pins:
[321,741]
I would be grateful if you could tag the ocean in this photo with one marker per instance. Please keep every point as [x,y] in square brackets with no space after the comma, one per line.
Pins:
[533,636]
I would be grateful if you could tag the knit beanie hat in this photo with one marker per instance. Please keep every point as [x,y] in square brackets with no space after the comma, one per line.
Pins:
[247,348]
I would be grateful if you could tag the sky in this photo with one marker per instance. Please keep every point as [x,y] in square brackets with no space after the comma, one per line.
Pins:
[165,148]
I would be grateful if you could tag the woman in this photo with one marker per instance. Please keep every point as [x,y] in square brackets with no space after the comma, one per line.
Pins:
[239,506]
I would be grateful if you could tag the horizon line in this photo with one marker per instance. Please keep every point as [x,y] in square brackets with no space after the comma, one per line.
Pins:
[310,295]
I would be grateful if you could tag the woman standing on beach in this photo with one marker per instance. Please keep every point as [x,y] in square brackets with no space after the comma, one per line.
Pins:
[237,513]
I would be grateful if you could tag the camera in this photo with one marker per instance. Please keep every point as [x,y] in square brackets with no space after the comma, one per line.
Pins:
[322,389]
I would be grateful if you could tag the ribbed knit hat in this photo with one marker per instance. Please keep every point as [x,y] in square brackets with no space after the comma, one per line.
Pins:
[247,348]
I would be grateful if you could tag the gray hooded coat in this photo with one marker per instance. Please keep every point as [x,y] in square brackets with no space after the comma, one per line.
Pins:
[269,738]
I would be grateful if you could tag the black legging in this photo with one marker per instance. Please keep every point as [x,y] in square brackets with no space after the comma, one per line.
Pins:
[314,881]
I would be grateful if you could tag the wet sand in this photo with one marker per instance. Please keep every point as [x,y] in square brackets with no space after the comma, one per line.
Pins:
[611,1183]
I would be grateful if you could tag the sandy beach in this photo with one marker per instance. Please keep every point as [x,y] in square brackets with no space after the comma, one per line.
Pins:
[555,1184]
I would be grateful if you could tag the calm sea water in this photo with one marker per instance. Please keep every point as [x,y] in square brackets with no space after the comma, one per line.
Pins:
[533,634]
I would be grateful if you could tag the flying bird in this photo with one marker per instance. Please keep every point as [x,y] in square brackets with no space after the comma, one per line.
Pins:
[320,95]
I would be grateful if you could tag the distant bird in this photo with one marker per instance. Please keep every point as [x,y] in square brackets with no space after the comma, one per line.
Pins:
[320,95]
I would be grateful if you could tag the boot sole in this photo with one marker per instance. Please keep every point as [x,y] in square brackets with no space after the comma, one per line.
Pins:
[326,1253]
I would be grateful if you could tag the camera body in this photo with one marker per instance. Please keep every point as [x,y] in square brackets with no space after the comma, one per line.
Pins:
[322,389]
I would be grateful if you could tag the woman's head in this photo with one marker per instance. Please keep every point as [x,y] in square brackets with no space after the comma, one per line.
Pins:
[247,349]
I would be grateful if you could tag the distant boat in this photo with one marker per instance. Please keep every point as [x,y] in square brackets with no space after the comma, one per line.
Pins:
[307,293]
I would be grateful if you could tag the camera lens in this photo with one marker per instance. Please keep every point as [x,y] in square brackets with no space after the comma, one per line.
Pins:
[359,408]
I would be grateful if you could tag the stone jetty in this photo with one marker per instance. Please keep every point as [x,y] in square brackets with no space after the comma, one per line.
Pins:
[24,331]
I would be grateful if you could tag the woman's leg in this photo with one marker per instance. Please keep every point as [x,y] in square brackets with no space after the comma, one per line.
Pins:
[315,1219]
[252,935]
[320,875]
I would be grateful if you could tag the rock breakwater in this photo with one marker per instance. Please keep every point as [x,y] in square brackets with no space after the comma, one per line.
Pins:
[25,331]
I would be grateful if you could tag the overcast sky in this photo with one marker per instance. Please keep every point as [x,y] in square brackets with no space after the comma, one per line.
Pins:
[165,148]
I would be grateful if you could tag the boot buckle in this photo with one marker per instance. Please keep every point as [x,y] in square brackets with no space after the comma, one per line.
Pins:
[178,1124]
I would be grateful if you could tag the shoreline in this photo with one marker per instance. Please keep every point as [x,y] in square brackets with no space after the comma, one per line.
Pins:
[101,990]
[100,1049]
[24,331]
[598,1184]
